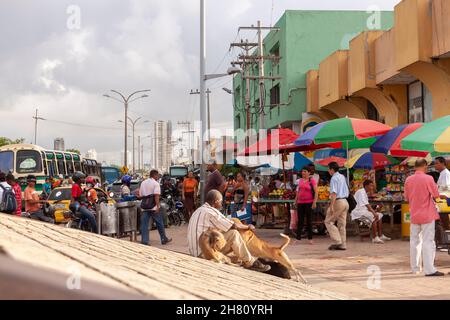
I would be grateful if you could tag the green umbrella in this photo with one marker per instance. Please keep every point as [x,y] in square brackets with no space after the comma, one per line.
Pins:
[433,137]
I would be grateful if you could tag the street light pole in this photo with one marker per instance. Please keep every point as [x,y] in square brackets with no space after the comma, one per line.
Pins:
[203,112]
[126,102]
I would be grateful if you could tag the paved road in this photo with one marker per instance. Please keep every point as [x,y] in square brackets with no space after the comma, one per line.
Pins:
[348,272]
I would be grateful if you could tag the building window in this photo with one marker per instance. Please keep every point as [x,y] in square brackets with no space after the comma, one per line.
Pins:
[275,51]
[419,103]
[372,112]
[237,121]
[275,96]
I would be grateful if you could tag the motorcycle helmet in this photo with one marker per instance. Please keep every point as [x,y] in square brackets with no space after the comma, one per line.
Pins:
[179,205]
[78,176]
[90,180]
[126,179]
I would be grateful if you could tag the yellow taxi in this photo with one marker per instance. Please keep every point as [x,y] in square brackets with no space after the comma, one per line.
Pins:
[60,199]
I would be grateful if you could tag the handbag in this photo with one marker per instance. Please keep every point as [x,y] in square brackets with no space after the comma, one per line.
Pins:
[148,202]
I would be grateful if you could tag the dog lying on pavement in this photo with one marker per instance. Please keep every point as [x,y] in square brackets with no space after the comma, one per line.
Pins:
[262,249]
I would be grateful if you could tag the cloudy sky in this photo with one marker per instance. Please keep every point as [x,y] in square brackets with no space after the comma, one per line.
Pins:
[62,65]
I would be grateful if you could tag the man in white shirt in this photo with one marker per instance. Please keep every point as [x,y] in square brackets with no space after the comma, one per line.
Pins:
[440,164]
[208,216]
[364,209]
[338,209]
[151,187]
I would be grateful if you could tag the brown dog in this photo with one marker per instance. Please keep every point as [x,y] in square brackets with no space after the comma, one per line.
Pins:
[261,249]
[211,243]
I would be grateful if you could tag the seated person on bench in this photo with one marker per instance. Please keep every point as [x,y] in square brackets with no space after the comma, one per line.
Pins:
[364,209]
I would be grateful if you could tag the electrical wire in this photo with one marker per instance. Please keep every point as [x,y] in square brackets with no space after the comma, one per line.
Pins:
[83,125]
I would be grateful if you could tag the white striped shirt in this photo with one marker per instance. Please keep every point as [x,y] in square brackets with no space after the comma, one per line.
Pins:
[202,219]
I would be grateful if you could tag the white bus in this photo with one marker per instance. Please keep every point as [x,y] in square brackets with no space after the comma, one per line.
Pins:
[24,159]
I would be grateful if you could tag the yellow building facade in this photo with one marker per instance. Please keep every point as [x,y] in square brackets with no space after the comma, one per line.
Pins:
[398,76]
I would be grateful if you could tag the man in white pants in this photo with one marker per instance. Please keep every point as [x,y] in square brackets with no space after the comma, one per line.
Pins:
[420,190]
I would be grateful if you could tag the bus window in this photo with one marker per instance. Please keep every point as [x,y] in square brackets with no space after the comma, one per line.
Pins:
[62,167]
[45,164]
[28,161]
[51,168]
[77,165]
[69,164]
[7,161]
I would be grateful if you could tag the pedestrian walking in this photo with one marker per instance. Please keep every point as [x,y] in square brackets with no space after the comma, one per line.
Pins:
[215,180]
[306,200]
[420,192]
[190,190]
[338,209]
[150,192]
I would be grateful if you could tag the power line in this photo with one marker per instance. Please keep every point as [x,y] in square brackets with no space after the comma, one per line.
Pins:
[82,125]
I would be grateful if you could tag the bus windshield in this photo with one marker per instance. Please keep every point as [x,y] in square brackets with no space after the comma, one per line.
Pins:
[178,171]
[28,161]
[6,161]
[111,174]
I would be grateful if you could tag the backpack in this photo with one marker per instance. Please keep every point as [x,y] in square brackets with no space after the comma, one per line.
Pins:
[8,202]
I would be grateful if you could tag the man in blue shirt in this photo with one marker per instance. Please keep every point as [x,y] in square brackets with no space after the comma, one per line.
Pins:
[338,210]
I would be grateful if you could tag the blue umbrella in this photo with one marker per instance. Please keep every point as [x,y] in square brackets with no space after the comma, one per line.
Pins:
[300,161]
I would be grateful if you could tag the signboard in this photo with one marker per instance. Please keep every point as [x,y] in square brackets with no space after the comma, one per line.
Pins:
[124,170]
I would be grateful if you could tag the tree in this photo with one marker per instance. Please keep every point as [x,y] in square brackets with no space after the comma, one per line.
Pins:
[74,151]
[6,141]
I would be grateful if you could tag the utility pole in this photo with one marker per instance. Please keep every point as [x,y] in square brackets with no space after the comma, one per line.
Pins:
[259,59]
[203,115]
[208,92]
[246,68]
[36,118]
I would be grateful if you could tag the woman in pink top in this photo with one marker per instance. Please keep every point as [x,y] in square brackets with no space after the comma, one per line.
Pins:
[306,201]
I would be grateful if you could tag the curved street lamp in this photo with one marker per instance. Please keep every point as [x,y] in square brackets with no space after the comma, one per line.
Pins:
[126,101]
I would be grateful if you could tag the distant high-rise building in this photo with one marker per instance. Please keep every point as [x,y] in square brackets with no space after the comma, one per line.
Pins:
[91,154]
[59,144]
[162,148]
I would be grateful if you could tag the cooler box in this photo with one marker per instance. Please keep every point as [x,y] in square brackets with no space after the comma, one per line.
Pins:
[247,217]
[406,221]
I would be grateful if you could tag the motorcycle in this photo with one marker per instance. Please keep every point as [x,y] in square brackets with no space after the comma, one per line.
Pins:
[76,220]
[174,209]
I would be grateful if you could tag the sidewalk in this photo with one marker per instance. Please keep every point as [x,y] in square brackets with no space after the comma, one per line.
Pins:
[346,272]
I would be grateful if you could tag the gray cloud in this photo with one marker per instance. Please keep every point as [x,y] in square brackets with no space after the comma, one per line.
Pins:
[124,45]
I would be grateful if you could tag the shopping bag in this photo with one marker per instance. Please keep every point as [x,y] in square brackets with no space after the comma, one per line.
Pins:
[294,220]
[241,213]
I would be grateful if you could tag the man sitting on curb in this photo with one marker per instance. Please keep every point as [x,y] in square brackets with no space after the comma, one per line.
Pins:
[364,209]
[209,216]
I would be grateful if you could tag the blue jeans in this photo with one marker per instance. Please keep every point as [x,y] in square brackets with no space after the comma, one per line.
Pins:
[89,216]
[145,220]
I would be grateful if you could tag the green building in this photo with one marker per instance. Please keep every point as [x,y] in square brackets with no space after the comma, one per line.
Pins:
[305,38]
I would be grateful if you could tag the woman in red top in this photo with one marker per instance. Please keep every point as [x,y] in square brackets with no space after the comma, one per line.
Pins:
[11,180]
[306,200]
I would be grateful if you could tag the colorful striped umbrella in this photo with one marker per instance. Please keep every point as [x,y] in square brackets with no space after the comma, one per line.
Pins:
[433,137]
[327,161]
[371,160]
[390,142]
[343,130]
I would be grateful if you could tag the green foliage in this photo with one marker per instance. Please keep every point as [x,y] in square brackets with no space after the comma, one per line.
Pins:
[6,141]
